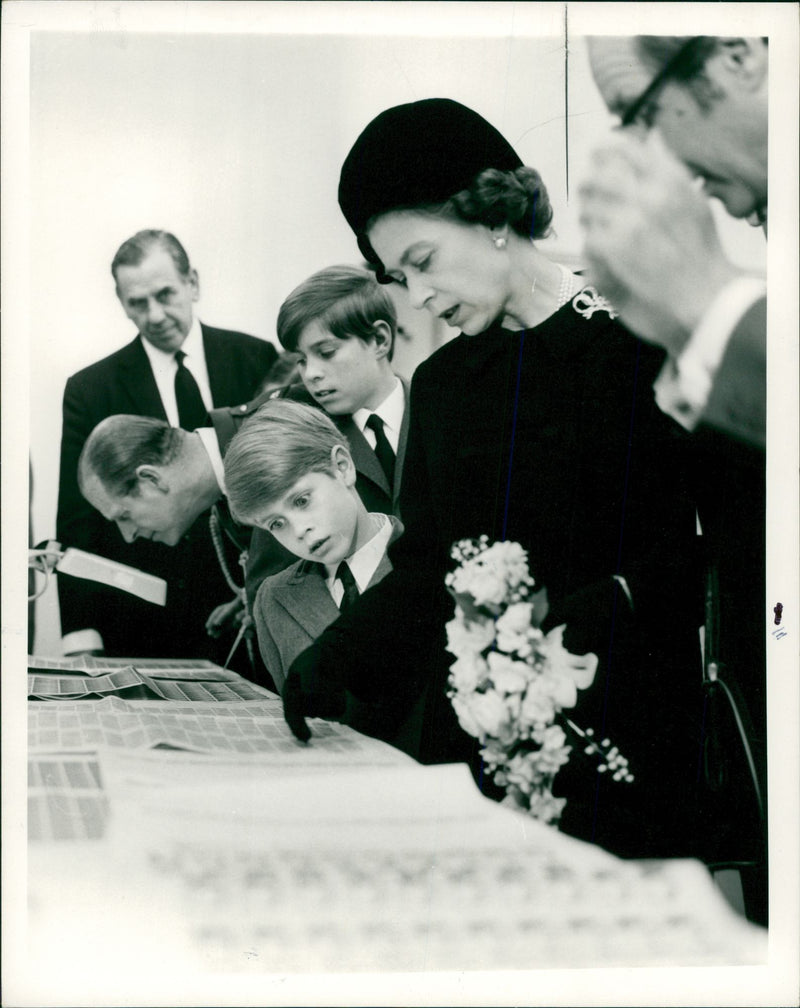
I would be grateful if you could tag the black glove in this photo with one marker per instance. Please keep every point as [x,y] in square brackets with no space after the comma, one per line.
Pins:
[592,614]
[306,693]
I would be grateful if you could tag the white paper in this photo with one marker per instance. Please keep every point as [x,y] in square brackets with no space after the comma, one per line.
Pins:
[256,727]
[404,868]
[81,564]
[192,685]
[66,799]
[162,668]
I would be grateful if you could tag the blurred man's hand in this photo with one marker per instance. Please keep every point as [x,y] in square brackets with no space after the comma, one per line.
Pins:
[650,244]
[225,615]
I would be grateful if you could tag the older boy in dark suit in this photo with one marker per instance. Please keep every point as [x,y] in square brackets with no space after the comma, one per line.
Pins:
[341,323]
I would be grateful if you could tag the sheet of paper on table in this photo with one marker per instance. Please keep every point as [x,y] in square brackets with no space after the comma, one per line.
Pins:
[241,727]
[50,685]
[400,868]
[160,668]
[254,853]
[68,797]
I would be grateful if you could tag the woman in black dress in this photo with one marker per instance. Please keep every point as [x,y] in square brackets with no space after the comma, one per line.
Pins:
[538,425]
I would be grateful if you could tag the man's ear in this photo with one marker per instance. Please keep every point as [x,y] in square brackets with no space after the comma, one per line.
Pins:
[194,282]
[744,59]
[152,477]
[383,338]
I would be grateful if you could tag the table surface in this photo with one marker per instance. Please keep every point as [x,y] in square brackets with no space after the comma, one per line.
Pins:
[200,830]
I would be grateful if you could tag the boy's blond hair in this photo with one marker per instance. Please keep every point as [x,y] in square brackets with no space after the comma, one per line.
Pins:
[275,447]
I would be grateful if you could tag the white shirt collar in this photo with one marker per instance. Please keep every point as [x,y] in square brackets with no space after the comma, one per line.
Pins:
[391,411]
[193,344]
[364,562]
[208,439]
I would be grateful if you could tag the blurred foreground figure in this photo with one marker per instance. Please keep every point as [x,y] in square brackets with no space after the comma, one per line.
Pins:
[694,113]
[650,240]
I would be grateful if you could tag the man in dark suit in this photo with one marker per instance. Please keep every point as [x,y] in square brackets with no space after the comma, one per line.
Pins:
[652,243]
[176,369]
[698,106]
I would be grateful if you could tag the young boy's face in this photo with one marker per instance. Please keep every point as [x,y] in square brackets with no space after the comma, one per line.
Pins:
[319,518]
[343,375]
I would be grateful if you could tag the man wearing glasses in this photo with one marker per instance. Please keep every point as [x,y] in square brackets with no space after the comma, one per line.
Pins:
[693,117]
[650,237]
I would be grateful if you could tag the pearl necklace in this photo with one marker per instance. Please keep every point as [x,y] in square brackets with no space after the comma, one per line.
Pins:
[570,285]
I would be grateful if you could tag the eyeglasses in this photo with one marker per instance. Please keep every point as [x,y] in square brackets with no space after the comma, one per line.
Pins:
[670,69]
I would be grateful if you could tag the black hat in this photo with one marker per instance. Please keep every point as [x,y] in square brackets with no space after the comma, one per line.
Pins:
[417,154]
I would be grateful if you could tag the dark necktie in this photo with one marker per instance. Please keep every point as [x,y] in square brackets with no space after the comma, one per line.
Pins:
[345,575]
[192,412]
[383,450]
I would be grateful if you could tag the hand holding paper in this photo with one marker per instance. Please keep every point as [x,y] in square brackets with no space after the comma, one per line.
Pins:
[96,568]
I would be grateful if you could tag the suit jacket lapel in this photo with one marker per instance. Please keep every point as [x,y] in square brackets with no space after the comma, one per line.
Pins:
[385,565]
[364,458]
[220,370]
[306,598]
[136,377]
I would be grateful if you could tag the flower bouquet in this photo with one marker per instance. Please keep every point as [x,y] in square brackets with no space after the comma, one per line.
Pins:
[510,682]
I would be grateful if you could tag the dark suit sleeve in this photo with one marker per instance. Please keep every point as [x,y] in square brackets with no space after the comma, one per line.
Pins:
[737,405]
[389,649]
[260,357]
[267,646]
[237,364]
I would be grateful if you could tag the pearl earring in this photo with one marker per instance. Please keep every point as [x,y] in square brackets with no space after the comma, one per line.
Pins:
[499,243]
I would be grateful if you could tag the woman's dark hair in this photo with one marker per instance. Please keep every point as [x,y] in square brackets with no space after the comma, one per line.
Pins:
[517,198]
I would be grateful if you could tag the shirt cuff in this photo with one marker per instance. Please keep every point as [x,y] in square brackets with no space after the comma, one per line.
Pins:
[683,387]
[81,640]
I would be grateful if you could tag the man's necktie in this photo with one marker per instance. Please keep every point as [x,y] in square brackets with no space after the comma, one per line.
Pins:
[345,575]
[192,411]
[383,450]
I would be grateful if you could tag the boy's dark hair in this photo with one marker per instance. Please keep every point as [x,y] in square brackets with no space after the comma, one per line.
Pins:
[345,300]
[279,444]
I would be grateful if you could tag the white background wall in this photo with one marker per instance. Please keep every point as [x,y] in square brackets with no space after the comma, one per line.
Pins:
[234,142]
